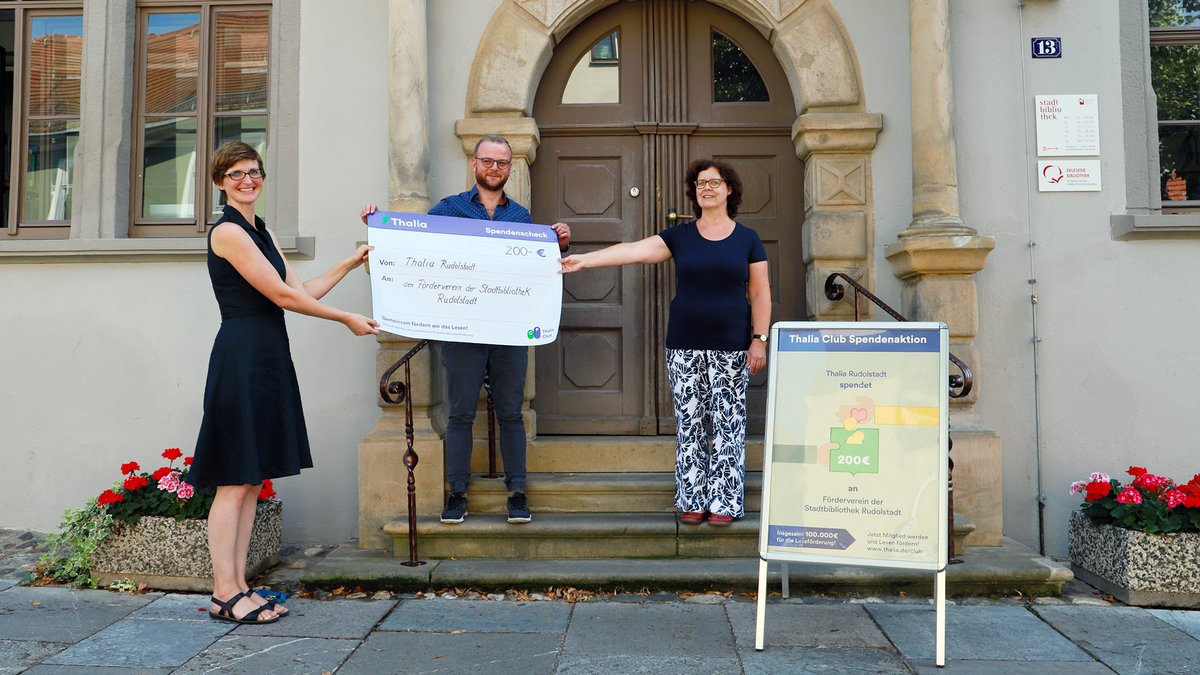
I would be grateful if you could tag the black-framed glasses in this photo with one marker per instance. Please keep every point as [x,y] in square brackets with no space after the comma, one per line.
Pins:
[710,183]
[255,174]
[487,162]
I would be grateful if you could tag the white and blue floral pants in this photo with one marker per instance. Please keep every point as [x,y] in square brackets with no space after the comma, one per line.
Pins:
[709,389]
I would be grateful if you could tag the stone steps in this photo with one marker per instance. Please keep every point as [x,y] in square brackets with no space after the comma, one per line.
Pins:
[578,535]
[602,497]
[602,454]
[567,534]
[648,492]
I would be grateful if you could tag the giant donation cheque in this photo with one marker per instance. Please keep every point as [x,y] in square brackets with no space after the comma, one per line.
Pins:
[463,280]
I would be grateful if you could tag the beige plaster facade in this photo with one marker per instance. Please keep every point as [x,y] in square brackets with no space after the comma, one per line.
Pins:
[834,135]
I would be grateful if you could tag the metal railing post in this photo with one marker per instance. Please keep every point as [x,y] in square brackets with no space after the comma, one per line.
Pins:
[396,392]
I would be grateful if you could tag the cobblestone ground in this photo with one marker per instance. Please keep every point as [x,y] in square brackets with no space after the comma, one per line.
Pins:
[19,552]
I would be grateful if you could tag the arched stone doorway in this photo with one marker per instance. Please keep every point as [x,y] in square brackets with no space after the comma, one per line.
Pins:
[824,219]
[831,136]
[630,97]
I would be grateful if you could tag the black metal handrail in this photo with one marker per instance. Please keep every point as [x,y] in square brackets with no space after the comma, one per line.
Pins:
[398,392]
[960,382]
[835,291]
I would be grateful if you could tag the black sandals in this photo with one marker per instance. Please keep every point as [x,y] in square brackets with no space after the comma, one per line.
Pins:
[272,604]
[226,613]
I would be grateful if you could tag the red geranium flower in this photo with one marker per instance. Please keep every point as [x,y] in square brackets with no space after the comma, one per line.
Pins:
[160,472]
[1136,471]
[109,497]
[187,461]
[1096,490]
[130,467]
[172,454]
[267,491]
[135,483]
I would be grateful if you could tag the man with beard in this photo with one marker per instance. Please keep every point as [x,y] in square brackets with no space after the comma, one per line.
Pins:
[467,363]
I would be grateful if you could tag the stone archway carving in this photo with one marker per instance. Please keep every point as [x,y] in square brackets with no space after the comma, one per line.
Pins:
[833,134]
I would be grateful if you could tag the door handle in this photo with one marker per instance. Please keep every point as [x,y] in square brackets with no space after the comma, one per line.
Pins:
[672,216]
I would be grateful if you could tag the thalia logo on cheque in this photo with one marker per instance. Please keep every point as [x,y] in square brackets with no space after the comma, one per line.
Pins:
[400,222]
[534,333]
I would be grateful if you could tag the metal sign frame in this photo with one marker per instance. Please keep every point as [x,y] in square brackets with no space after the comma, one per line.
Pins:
[893,338]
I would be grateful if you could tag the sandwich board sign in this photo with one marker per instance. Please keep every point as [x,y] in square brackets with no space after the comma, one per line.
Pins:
[855,470]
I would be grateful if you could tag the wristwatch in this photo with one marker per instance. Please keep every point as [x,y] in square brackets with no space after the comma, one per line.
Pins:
[761,338]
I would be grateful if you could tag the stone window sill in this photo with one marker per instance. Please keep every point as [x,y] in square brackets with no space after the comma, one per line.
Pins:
[1156,226]
[129,250]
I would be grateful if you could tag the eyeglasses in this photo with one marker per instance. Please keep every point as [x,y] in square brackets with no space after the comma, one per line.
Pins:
[711,183]
[487,162]
[255,174]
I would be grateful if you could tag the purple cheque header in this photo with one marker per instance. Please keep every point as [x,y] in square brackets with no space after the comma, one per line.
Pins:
[421,222]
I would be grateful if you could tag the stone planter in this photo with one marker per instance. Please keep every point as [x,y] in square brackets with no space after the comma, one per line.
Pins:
[1148,570]
[167,554]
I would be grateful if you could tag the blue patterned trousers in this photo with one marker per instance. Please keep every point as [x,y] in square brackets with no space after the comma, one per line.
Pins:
[709,389]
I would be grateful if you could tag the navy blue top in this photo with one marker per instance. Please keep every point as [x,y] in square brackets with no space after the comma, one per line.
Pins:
[467,205]
[710,309]
[235,296]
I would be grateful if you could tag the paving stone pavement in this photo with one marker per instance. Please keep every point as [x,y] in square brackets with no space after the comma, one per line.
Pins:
[54,629]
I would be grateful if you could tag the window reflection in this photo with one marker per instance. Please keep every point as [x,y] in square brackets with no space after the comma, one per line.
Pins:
[1179,157]
[735,79]
[251,129]
[55,60]
[1175,77]
[51,169]
[169,181]
[596,77]
[172,57]
[1165,13]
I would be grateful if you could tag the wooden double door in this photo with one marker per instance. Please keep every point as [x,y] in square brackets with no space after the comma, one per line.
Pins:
[630,98]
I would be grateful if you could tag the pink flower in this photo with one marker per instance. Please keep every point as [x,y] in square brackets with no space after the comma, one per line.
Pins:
[185,491]
[1099,476]
[1173,498]
[1078,487]
[1130,495]
[1151,482]
[169,482]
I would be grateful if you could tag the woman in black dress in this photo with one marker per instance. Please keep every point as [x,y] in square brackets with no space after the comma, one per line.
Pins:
[253,426]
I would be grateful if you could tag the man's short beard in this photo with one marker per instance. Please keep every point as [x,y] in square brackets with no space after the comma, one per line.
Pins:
[482,181]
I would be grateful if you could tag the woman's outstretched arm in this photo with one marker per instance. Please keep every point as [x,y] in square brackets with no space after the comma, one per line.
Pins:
[650,250]
[231,242]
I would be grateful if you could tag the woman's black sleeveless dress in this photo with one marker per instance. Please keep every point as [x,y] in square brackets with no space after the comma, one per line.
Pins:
[253,425]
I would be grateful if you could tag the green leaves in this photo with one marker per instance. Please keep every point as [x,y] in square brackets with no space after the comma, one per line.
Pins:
[69,551]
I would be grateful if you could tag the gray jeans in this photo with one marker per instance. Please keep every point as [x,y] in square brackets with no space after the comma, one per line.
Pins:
[505,366]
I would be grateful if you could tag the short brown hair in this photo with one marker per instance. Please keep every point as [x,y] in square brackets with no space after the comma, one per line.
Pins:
[490,138]
[727,174]
[231,153]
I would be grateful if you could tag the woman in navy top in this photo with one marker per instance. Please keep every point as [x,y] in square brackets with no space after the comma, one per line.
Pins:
[716,336]
[253,426]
